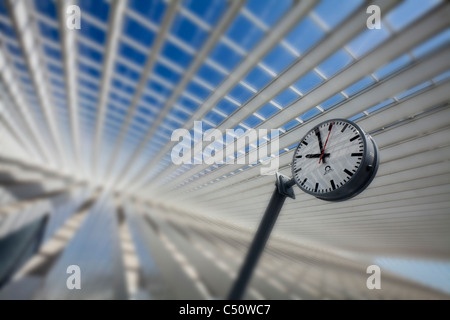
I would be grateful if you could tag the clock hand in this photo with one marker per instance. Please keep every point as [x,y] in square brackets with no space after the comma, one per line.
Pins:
[326,141]
[317,130]
[317,155]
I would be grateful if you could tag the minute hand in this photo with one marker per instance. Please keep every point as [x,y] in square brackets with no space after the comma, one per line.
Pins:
[317,131]
[329,131]
[320,141]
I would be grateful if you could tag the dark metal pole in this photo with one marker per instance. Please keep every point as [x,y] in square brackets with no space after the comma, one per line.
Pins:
[282,190]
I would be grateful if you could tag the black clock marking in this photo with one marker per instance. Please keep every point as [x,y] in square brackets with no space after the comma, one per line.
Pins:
[354,138]
[348,172]
[345,127]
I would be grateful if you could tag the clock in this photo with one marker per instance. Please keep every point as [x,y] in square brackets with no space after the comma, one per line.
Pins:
[335,161]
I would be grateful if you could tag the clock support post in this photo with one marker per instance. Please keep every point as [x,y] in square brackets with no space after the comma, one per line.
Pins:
[283,189]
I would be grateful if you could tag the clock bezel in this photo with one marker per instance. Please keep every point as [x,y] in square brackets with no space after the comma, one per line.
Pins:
[360,179]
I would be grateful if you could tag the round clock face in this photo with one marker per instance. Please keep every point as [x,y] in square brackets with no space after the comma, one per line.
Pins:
[335,161]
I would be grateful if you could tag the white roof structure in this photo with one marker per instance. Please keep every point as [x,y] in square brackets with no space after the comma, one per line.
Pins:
[87,116]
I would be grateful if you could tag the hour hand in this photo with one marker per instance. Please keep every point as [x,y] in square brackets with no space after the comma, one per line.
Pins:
[317,155]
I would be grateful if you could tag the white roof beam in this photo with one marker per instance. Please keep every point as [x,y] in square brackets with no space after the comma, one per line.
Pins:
[68,46]
[114,26]
[20,16]
[21,106]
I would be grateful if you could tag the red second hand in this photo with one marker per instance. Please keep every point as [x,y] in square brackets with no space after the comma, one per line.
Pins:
[326,141]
